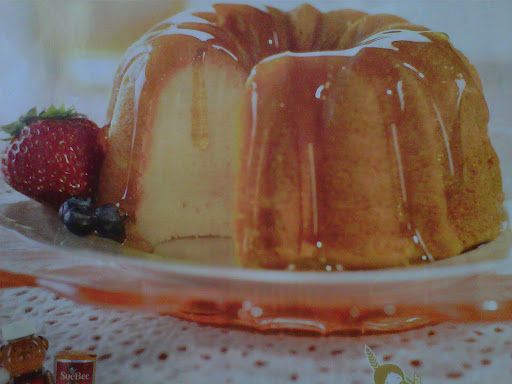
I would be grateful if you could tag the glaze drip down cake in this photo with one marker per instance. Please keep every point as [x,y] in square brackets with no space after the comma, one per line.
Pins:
[343,139]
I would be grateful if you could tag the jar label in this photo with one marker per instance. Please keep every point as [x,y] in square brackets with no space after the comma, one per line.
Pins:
[74,372]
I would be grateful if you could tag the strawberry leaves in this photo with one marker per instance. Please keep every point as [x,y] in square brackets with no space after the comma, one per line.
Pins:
[60,113]
[52,112]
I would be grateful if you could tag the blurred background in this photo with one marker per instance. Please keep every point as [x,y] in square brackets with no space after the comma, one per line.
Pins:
[66,51]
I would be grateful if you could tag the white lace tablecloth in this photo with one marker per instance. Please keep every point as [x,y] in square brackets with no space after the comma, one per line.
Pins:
[143,348]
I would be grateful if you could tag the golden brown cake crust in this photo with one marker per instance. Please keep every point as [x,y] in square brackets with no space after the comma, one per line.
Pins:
[377,157]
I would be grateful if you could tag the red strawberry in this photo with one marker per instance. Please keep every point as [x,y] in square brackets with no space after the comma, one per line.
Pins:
[53,155]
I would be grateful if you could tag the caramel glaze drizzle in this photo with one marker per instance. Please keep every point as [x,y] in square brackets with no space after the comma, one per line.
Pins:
[436,83]
[199,108]
[401,57]
[433,82]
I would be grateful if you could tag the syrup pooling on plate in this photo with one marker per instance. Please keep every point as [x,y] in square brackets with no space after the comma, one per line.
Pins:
[444,88]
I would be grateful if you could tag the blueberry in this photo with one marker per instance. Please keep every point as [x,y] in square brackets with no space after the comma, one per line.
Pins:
[110,222]
[81,205]
[77,222]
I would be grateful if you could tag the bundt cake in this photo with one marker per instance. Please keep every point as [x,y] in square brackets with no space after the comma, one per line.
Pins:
[336,140]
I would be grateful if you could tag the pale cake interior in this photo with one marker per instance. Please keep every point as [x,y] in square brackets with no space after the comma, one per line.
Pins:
[196,186]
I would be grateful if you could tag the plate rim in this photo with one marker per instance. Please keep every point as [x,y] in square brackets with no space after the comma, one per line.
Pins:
[282,277]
